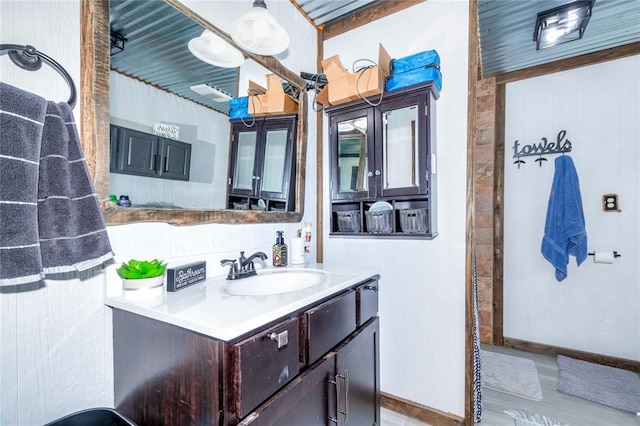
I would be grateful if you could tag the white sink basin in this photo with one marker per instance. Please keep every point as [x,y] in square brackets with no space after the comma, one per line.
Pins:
[275,281]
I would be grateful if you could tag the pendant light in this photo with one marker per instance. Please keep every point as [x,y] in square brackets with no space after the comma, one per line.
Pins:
[213,50]
[257,31]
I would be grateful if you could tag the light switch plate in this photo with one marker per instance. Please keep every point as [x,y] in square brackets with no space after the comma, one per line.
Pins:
[610,203]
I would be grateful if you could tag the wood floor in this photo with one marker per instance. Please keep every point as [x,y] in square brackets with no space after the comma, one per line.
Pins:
[556,405]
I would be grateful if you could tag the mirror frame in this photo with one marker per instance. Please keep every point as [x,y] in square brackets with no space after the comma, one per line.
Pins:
[94,134]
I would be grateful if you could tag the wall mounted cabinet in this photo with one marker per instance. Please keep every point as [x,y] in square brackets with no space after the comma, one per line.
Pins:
[144,154]
[383,165]
[262,166]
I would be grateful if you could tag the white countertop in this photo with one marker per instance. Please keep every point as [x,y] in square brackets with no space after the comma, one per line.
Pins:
[205,308]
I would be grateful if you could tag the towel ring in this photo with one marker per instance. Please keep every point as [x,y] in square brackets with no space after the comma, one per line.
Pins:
[28,58]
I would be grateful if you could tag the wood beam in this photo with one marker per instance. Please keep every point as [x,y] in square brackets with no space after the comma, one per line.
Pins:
[366,15]
[570,63]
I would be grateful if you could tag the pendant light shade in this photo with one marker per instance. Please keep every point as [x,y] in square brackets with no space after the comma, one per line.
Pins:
[213,50]
[257,31]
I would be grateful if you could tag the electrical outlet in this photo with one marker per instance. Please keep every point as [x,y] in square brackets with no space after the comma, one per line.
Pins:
[610,203]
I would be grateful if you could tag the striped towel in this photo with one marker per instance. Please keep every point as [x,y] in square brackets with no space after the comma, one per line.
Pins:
[50,218]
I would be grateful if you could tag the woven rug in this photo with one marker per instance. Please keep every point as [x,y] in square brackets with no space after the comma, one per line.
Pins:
[605,385]
[510,374]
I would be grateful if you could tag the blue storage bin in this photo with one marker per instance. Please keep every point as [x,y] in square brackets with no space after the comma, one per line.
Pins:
[239,107]
[417,60]
[417,76]
[414,69]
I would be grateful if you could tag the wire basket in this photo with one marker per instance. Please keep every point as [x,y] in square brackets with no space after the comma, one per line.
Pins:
[379,222]
[349,221]
[240,206]
[414,221]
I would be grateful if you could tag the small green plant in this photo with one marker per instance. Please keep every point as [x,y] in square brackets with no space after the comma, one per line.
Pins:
[135,269]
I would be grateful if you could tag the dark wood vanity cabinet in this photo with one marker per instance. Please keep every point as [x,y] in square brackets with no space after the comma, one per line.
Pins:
[167,375]
[263,164]
[385,153]
[144,154]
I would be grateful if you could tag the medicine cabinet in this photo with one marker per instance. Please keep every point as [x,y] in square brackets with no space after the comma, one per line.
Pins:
[262,167]
[383,165]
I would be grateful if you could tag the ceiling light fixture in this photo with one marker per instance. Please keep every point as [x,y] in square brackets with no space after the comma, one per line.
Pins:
[213,50]
[211,92]
[257,31]
[562,24]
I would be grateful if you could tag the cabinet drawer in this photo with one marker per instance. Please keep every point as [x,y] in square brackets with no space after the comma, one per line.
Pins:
[326,325]
[367,302]
[261,364]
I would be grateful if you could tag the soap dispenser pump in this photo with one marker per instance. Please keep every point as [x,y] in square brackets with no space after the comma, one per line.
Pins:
[280,255]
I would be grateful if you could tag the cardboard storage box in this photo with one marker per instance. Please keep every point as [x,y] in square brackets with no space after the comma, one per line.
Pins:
[271,101]
[345,86]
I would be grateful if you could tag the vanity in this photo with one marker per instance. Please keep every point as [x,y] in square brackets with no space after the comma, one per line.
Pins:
[208,355]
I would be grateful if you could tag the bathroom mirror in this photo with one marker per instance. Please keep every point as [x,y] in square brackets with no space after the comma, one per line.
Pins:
[95,104]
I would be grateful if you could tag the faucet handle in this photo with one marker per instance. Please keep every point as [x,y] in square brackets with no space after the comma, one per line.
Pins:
[233,270]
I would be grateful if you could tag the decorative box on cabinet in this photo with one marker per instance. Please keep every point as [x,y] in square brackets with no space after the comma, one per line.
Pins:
[262,166]
[166,375]
[144,154]
[385,154]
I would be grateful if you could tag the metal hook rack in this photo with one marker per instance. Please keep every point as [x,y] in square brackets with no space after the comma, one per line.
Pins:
[30,59]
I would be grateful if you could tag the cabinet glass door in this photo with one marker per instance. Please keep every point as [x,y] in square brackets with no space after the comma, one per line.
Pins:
[402,152]
[352,156]
[275,155]
[243,176]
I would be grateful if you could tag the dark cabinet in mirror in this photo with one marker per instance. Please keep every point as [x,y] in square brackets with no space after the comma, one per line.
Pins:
[96,120]
[262,166]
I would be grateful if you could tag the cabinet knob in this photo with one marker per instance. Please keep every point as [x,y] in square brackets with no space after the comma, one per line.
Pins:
[282,339]
[378,173]
[256,177]
[370,174]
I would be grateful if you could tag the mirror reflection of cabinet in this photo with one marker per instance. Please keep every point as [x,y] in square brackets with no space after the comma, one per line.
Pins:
[144,154]
[385,154]
[262,166]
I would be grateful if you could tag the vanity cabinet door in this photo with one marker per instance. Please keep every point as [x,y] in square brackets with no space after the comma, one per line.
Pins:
[262,364]
[309,400]
[357,375]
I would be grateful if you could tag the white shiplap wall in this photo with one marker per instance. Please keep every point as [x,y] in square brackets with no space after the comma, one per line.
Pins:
[422,289]
[55,343]
[597,307]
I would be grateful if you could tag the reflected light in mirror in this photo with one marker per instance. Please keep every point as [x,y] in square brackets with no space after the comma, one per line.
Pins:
[257,31]
[214,50]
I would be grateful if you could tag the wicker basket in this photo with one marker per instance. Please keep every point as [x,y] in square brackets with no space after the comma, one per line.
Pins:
[349,221]
[379,222]
[414,221]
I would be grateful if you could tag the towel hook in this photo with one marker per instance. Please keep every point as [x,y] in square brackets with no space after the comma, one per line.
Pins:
[28,58]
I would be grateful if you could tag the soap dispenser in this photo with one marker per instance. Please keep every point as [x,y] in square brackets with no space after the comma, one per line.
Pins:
[280,254]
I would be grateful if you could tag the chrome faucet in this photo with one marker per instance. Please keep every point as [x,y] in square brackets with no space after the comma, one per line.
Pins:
[245,268]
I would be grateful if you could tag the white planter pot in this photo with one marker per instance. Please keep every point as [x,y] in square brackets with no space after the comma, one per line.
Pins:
[143,283]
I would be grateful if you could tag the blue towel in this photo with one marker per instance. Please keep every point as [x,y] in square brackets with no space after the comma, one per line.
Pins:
[564,231]
[50,218]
